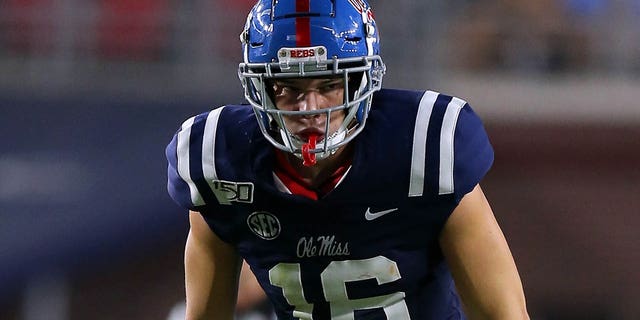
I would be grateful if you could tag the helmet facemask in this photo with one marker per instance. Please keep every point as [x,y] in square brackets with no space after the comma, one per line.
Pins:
[360,76]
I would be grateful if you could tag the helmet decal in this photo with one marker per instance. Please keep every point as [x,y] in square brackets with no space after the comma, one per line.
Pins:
[359,5]
[303,26]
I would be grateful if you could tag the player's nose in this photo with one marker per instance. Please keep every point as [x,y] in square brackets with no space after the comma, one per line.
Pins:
[311,101]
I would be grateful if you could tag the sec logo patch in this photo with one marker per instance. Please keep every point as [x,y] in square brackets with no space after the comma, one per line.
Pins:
[264,224]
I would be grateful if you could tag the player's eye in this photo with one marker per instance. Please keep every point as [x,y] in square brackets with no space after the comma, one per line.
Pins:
[335,85]
[282,89]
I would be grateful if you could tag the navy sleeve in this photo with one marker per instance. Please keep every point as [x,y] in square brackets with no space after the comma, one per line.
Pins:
[186,182]
[473,154]
[176,186]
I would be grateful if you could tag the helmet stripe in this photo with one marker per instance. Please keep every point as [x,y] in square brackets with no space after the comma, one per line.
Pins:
[303,25]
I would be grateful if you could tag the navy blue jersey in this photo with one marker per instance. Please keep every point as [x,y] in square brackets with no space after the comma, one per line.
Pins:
[369,248]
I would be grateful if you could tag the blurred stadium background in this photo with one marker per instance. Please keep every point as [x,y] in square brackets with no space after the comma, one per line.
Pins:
[92,90]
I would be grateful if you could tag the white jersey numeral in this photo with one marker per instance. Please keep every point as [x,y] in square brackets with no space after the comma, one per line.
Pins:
[287,277]
[334,279]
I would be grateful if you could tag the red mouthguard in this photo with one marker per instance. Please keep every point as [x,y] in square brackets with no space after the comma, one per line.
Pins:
[309,159]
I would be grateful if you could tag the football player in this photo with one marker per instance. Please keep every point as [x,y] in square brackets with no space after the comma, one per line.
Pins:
[347,201]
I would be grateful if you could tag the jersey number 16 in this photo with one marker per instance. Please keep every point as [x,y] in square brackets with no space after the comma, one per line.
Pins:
[334,278]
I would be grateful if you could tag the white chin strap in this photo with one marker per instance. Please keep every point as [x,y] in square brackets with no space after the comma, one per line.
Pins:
[332,140]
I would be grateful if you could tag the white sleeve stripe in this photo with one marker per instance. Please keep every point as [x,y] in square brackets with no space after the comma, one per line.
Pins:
[418,155]
[446,185]
[209,147]
[182,150]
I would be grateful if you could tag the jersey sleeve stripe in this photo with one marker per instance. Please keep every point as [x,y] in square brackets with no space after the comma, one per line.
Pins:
[184,137]
[418,155]
[197,145]
[446,145]
[208,147]
[195,153]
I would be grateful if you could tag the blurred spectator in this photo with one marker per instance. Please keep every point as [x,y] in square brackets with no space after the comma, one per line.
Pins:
[585,7]
[242,6]
[518,35]
[230,25]
[133,29]
[27,26]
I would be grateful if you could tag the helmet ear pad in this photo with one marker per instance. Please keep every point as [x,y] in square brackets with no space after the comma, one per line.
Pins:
[270,121]
[357,83]
[267,100]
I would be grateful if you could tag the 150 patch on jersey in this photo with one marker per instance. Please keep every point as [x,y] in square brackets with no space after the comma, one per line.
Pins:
[229,191]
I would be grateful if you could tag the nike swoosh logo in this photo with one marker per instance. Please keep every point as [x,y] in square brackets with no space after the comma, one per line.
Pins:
[375,215]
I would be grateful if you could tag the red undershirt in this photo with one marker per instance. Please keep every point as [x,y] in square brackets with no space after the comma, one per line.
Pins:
[296,184]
